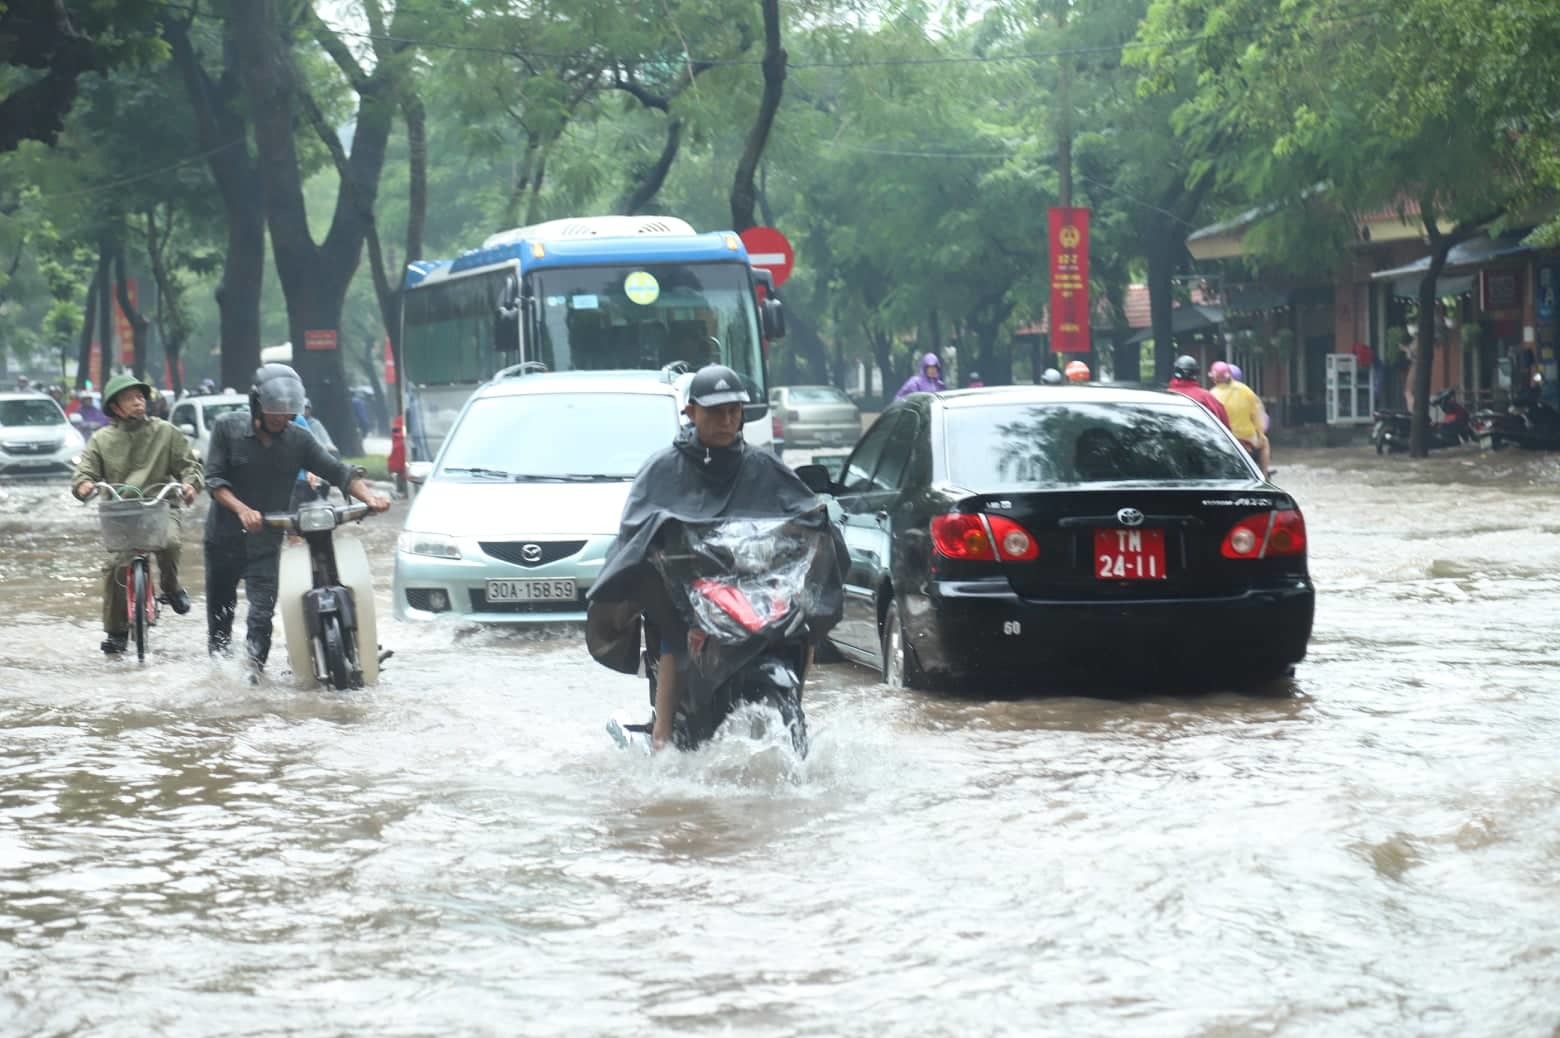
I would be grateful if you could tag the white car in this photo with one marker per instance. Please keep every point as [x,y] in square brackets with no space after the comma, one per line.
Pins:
[513,521]
[195,415]
[35,437]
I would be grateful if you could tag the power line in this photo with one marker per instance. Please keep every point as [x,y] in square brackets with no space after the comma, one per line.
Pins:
[138,177]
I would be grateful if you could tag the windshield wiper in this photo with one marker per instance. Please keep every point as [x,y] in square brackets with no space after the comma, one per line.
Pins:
[570,477]
[484,473]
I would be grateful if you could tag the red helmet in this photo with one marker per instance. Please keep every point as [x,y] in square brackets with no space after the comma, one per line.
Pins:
[1077,371]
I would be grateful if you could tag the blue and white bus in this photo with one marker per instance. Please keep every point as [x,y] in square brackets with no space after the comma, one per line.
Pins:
[605,293]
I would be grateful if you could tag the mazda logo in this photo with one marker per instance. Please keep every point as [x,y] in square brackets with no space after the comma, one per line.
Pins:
[533,552]
[1129,517]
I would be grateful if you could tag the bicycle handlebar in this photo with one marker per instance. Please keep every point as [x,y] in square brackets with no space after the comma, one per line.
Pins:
[117,496]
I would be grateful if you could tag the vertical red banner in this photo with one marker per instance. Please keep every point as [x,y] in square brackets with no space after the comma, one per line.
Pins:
[122,328]
[1069,314]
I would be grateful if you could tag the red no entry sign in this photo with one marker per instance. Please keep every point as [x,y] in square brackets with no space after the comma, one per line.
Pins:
[769,250]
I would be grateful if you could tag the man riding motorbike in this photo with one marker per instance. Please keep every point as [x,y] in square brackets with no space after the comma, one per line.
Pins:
[707,473]
[252,464]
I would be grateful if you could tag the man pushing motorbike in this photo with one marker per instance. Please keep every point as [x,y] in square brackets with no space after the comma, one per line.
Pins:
[142,452]
[708,473]
[251,466]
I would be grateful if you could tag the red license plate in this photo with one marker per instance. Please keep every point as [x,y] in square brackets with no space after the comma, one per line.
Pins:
[1129,554]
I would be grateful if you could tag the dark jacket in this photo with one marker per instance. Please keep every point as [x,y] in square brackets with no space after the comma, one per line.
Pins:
[262,476]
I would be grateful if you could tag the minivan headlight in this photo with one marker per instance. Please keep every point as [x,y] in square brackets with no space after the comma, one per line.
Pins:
[435,545]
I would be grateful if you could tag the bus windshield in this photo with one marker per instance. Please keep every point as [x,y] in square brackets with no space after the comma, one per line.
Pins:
[645,316]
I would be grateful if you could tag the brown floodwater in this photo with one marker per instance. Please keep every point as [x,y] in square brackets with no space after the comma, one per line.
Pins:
[1371,848]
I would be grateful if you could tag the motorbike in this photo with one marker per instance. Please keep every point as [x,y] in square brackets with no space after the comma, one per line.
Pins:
[1530,423]
[1450,425]
[748,590]
[325,595]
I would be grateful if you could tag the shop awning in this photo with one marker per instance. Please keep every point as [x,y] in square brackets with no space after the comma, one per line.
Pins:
[1251,299]
[1472,253]
[1185,319]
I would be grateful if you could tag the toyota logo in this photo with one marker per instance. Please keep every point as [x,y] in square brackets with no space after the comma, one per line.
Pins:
[1129,517]
[533,552]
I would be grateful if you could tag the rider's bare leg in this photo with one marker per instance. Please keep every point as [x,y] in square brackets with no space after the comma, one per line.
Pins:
[668,693]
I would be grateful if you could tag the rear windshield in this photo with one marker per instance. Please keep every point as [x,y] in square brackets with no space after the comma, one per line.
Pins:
[816,395]
[215,411]
[1025,444]
[41,411]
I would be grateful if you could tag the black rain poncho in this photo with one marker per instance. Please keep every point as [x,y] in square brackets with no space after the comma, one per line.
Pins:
[689,482]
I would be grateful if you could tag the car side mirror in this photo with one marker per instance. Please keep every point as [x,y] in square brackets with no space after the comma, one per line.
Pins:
[187,429]
[754,412]
[833,464]
[506,322]
[815,478]
[774,319]
[417,472]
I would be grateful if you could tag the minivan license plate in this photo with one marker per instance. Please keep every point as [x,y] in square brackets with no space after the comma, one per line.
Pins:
[1129,554]
[530,591]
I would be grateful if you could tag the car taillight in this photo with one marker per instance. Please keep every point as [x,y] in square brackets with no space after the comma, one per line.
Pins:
[1266,536]
[776,429]
[1014,544]
[972,537]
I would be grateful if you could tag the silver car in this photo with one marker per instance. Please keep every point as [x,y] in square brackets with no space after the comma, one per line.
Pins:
[815,416]
[35,437]
[195,415]
[513,521]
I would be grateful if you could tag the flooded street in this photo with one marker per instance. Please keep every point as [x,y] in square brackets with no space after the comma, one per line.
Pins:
[1373,848]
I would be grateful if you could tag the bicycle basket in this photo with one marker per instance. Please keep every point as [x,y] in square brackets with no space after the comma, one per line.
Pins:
[135,525]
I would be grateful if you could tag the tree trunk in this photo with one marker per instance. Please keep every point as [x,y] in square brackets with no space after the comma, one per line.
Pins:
[105,315]
[172,327]
[88,323]
[649,185]
[883,352]
[1161,302]
[223,130]
[138,322]
[314,277]
[773,65]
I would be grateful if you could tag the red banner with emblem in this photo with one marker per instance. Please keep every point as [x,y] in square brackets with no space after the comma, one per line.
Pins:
[123,330]
[1069,312]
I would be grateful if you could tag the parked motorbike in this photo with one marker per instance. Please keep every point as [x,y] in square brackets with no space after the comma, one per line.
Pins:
[746,588]
[1450,425]
[325,594]
[1530,423]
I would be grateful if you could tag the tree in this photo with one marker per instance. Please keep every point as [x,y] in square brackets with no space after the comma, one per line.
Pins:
[222,126]
[1339,109]
[57,46]
[315,276]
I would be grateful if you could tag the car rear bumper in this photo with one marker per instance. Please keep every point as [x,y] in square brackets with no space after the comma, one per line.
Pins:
[428,588]
[976,628]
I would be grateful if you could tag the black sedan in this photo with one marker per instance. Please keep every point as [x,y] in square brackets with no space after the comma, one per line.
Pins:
[1034,535]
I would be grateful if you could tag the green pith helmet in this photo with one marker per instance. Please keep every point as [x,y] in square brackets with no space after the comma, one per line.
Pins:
[120,383]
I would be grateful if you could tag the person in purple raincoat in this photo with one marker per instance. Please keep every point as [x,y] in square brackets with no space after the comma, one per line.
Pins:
[928,381]
[92,416]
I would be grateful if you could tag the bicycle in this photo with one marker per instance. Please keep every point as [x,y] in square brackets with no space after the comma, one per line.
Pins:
[137,526]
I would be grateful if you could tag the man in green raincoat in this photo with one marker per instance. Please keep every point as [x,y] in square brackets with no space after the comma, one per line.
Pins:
[143,452]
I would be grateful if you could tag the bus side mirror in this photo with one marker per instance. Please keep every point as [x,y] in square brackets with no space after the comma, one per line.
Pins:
[774,319]
[506,323]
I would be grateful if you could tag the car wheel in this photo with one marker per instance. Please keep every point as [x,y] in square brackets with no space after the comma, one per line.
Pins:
[898,668]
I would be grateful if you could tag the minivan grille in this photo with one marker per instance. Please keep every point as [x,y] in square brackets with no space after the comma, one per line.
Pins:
[540,552]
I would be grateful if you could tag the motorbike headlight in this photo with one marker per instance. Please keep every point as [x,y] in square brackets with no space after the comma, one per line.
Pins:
[436,545]
[316,519]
